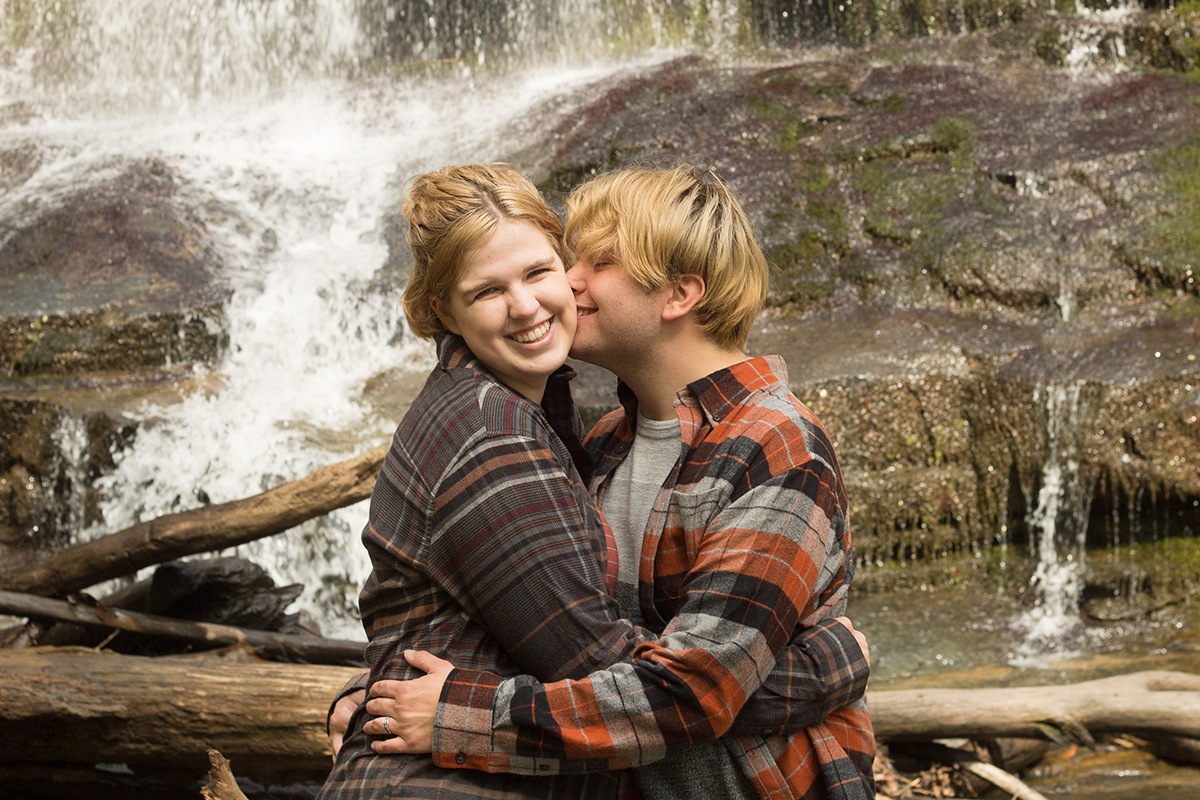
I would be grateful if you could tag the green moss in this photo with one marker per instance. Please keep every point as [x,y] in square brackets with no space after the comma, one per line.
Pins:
[953,135]
[1050,48]
[1170,257]
[1168,567]
[894,103]
[789,129]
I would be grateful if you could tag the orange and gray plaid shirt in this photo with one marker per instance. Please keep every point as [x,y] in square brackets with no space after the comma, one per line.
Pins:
[749,545]
[488,550]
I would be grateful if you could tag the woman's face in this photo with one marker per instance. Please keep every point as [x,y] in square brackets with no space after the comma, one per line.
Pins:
[513,306]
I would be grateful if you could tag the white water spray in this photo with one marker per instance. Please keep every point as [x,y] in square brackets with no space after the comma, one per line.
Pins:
[292,183]
[1057,580]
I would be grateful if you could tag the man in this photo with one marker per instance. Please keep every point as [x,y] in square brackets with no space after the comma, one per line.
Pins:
[728,513]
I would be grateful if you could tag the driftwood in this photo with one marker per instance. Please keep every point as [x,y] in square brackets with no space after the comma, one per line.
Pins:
[202,530]
[73,705]
[1148,704]
[221,783]
[290,646]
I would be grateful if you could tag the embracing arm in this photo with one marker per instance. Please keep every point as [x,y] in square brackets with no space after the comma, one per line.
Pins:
[536,585]
[768,562]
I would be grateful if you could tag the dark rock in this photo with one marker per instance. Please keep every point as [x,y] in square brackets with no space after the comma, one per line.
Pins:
[114,276]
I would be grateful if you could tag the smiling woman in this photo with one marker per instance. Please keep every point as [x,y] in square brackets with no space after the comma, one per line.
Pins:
[485,545]
[513,307]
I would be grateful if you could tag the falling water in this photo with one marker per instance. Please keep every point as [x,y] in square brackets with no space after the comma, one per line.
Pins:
[292,171]
[73,449]
[1059,524]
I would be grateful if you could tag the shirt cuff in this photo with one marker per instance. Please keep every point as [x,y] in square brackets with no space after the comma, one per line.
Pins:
[353,685]
[839,659]
[462,728]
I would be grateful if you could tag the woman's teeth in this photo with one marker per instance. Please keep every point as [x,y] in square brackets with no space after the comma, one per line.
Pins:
[534,334]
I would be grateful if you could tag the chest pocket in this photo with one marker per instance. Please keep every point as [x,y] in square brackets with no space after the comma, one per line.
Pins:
[691,513]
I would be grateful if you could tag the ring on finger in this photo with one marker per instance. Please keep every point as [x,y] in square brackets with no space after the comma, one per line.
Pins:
[386,722]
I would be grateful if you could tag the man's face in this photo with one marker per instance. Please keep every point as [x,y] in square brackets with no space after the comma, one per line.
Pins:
[619,321]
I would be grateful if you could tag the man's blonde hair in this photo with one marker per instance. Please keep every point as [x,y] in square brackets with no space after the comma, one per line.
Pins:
[451,213]
[661,224]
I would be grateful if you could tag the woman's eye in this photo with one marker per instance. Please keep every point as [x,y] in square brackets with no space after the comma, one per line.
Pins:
[486,293]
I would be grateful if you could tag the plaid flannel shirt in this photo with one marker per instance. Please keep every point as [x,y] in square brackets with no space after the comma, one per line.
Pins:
[487,550]
[747,547]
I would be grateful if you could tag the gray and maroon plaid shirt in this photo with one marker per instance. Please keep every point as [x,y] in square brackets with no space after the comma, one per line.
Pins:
[489,551]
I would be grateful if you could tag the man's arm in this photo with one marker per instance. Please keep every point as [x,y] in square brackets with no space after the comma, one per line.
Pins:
[762,567]
[824,669]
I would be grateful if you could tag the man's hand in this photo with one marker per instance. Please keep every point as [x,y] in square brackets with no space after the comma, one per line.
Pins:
[407,707]
[859,637]
[339,720]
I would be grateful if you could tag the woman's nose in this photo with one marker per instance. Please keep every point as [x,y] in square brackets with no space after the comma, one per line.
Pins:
[524,303]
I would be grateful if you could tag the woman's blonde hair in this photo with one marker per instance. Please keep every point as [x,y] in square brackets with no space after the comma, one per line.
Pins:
[451,213]
[661,224]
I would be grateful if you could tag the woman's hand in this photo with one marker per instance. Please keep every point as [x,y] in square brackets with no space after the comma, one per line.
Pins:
[339,721]
[405,710]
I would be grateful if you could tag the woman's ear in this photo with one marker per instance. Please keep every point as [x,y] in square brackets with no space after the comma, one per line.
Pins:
[443,313]
[685,293]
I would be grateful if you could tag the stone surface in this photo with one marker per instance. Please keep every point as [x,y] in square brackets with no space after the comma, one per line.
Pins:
[966,229]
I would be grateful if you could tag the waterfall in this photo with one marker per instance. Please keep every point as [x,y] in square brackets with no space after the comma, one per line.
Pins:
[1058,524]
[292,169]
[73,450]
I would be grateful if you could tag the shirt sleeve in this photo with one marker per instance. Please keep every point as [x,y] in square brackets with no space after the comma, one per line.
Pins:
[767,563]
[823,670]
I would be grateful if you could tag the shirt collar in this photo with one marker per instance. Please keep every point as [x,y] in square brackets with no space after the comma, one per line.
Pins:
[718,393]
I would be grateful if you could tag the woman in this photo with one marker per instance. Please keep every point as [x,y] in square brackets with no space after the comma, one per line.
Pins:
[487,549]
[485,545]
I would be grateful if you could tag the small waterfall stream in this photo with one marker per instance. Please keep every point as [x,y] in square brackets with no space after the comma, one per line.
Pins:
[1059,524]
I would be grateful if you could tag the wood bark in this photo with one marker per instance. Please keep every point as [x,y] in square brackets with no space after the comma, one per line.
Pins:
[1145,703]
[74,705]
[289,646]
[221,783]
[201,530]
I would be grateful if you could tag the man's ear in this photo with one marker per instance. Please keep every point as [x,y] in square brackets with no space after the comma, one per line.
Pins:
[685,293]
[443,313]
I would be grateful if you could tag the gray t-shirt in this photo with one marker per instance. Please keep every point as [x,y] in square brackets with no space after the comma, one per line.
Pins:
[708,770]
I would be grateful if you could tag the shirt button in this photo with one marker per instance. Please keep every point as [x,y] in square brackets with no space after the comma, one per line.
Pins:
[461,758]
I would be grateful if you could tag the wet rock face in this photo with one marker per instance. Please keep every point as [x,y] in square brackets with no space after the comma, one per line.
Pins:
[966,231]
[119,276]
[109,282]
[49,462]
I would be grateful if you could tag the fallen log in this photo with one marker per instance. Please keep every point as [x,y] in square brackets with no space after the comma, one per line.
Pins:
[292,647]
[78,706]
[72,705]
[1150,704]
[201,530]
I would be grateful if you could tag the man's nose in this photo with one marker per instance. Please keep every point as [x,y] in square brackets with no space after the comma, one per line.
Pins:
[575,279]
